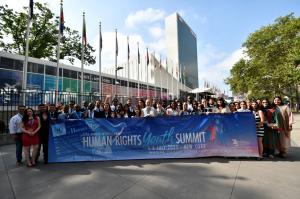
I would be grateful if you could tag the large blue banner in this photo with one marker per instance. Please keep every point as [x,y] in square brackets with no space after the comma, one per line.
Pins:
[149,138]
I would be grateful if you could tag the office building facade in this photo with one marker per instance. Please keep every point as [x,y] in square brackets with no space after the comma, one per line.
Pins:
[181,43]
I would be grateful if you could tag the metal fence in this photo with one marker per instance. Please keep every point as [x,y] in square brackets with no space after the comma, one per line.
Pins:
[9,101]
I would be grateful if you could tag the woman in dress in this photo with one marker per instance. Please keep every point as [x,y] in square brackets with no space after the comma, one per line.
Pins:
[259,121]
[30,126]
[283,123]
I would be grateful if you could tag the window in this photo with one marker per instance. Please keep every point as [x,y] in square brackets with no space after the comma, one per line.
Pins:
[86,76]
[70,74]
[107,80]
[11,64]
[123,82]
[95,78]
[50,70]
[133,85]
[35,68]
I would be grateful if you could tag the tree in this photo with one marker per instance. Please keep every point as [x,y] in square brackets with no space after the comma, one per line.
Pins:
[271,69]
[43,35]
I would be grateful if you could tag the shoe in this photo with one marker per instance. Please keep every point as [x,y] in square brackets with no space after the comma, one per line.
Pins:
[282,155]
[260,158]
[19,164]
[271,156]
[29,165]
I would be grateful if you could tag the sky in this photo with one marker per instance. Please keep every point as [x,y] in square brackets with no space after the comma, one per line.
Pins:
[221,26]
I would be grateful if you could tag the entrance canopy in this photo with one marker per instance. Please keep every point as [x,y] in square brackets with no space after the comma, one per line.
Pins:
[203,91]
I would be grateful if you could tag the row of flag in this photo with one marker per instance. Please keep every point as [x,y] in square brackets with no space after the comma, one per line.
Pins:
[84,40]
[84,35]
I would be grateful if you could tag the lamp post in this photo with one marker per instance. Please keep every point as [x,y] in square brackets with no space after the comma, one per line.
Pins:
[116,77]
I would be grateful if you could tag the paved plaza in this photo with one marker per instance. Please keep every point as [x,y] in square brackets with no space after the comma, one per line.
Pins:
[169,178]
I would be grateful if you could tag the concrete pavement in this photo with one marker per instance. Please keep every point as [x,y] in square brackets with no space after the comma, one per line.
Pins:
[172,178]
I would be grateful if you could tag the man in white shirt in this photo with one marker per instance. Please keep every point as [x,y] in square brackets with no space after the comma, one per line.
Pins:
[190,104]
[15,130]
[149,111]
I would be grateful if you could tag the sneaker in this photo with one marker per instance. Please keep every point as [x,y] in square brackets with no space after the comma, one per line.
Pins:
[19,164]
[271,156]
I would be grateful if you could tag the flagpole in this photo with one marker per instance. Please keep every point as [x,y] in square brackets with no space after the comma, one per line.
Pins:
[100,51]
[60,29]
[138,70]
[116,69]
[167,75]
[82,54]
[128,57]
[184,81]
[182,88]
[160,77]
[147,63]
[25,64]
[155,69]
[172,81]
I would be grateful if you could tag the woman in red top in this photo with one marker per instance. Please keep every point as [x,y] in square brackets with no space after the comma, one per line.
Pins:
[30,127]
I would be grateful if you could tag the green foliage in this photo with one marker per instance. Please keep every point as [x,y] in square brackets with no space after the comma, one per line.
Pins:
[273,51]
[43,35]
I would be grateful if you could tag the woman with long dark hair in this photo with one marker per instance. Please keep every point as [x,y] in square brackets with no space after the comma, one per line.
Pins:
[30,126]
[259,121]
[221,106]
[283,123]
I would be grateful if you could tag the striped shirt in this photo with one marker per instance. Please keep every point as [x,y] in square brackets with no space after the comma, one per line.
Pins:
[259,129]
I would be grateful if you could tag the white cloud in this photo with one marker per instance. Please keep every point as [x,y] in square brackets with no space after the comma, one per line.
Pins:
[229,61]
[147,16]
[215,66]
[159,46]
[157,31]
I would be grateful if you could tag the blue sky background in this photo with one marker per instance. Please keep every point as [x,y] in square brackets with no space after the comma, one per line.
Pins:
[221,27]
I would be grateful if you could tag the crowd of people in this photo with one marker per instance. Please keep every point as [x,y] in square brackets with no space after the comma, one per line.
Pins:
[30,128]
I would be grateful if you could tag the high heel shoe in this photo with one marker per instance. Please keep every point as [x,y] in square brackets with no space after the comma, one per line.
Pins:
[29,165]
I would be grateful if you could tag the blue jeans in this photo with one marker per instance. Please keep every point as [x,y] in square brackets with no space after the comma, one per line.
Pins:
[19,146]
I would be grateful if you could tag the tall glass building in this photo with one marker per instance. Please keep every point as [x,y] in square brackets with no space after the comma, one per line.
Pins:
[182,50]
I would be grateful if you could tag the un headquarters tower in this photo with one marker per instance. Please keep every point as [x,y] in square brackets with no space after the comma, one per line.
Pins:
[182,49]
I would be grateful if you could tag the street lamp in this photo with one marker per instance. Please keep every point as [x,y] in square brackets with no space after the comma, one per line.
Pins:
[116,77]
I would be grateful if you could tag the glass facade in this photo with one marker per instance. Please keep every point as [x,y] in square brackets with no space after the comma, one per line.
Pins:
[182,49]
[43,77]
[187,48]
[35,81]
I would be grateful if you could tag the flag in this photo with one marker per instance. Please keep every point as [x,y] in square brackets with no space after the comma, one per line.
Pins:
[128,49]
[167,65]
[154,60]
[31,9]
[84,39]
[62,20]
[147,58]
[180,74]
[139,56]
[117,48]
[159,61]
[100,38]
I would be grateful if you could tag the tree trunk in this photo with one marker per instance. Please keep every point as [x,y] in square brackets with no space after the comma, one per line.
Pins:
[297,97]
